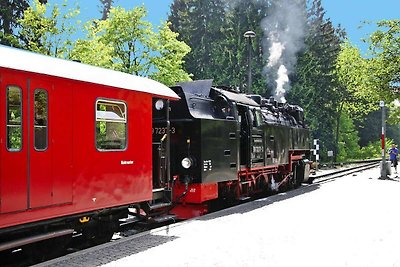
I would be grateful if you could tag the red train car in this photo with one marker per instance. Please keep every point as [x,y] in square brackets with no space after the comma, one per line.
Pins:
[75,146]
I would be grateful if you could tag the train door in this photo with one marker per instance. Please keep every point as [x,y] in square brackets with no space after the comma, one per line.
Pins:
[257,138]
[13,142]
[40,171]
[245,133]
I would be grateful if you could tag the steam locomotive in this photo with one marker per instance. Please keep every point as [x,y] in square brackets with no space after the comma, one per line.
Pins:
[226,146]
[83,149]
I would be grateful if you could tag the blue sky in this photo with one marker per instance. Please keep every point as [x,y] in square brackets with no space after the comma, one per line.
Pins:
[349,13]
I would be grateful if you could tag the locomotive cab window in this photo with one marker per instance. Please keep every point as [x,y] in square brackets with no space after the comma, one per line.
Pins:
[257,118]
[111,130]
[14,122]
[40,123]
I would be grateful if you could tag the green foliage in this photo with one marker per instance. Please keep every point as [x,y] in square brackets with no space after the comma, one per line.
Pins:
[131,37]
[47,34]
[11,12]
[126,42]
[169,62]
[231,56]
[348,140]
[385,46]
[92,50]
[384,70]
[374,149]
[214,30]
[352,70]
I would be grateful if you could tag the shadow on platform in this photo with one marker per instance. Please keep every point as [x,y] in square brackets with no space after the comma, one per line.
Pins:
[262,202]
[393,179]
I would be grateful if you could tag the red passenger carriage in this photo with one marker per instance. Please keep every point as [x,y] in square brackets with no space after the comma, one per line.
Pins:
[75,145]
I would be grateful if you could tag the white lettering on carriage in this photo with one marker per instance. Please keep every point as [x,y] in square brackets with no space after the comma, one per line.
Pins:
[127,162]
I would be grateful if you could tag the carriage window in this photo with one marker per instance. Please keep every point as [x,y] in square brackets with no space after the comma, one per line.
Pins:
[110,125]
[14,122]
[40,124]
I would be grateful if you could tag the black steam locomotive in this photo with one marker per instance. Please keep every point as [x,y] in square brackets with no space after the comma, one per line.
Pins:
[221,145]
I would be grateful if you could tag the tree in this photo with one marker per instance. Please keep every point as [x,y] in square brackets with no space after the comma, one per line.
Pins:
[92,50]
[214,30]
[199,24]
[385,46]
[169,61]
[130,45]
[356,96]
[370,129]
[106,6]
[232,54]
[10,13]
[384,67]
[348,147]
[49,35]
[315,83]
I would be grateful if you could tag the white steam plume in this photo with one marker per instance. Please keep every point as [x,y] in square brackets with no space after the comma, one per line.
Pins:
[283,79]
[284,31]
[275,53]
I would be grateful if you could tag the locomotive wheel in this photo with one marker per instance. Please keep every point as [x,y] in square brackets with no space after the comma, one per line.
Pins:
[99,232]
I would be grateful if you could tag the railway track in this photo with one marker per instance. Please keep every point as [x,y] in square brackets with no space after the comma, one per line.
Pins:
[358,166]
[18,258]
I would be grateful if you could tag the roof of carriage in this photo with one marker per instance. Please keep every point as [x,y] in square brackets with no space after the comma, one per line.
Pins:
[18,59]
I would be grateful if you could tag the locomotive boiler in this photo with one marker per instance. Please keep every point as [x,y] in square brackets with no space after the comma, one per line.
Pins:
[227,146]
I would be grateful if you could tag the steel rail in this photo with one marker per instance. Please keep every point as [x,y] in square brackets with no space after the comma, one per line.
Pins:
[344,172]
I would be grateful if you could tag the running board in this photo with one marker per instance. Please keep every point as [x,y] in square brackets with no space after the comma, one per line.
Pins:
[33,239]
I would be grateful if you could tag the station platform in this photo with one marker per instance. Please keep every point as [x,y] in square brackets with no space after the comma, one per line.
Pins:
[348,221]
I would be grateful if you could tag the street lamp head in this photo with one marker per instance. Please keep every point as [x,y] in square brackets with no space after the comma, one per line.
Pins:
[249,34]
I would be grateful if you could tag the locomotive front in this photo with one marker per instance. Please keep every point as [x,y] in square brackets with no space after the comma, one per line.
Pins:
[204,141]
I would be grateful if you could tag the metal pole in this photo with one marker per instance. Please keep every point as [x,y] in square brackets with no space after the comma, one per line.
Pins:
[383,164]
[249,35]
[249,81]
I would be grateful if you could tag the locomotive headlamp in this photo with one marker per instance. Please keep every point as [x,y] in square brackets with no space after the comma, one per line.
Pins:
[159,105]
[187,163]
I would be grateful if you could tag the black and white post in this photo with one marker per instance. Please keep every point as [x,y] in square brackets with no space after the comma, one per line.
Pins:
[316,153]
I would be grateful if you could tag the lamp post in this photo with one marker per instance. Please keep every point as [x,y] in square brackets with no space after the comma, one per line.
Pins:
[249,35]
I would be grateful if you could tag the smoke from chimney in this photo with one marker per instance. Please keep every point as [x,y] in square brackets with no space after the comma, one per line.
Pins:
[284,31]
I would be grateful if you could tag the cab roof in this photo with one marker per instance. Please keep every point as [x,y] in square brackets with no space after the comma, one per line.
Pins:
[18,59]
